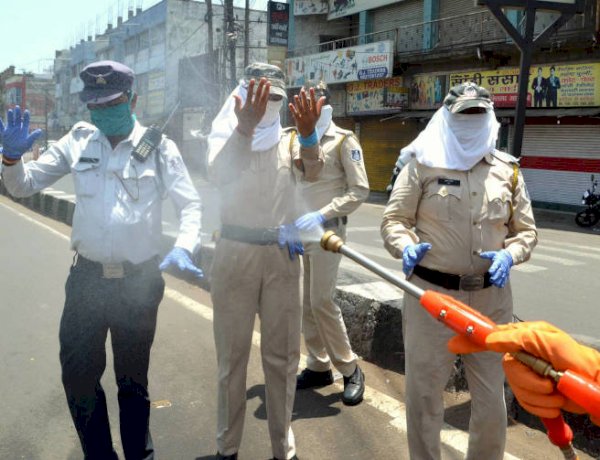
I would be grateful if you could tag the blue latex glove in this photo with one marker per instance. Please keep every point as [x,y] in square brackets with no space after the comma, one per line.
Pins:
[181,259]
[15,136]
[500,269]
[309,221]
[412,255]
[288,235]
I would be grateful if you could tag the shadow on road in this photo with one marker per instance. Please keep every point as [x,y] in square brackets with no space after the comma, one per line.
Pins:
[308,404]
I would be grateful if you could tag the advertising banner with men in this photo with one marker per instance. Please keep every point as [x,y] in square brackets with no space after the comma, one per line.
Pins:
[570,85]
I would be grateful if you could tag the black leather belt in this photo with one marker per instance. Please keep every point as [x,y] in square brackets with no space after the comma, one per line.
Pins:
[115,270]
[335,222]
[260,236]
[456,282]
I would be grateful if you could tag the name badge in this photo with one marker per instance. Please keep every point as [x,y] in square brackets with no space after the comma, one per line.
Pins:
[454,182]
[89,160]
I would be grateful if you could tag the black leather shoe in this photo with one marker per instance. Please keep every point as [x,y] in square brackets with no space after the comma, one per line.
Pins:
[354,388]
[313,379]
[226,457]
[295,457]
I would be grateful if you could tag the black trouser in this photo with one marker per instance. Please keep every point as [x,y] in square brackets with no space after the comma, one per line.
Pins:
[127,307]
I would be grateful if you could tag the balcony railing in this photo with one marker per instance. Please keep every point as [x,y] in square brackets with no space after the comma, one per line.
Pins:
[451,33]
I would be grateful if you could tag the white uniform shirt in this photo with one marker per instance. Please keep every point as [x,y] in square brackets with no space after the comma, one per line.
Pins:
[118,212]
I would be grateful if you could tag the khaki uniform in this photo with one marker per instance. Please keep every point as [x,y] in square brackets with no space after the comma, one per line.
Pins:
[461,213]
[340,190]
[257,191]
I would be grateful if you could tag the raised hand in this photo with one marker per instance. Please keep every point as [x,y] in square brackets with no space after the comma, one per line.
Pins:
[306,111]
[16,139]
[251,112]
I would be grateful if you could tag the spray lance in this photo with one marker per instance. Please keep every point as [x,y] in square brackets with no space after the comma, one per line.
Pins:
[468,322]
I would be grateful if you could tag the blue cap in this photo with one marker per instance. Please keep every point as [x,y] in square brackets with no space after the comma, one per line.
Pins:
[104,81]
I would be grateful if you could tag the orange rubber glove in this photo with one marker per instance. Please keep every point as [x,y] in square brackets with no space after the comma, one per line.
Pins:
[535,393]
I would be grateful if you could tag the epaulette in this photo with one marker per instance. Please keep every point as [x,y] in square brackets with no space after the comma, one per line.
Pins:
[83,126]
[82,129]
[345,132]
[505,157]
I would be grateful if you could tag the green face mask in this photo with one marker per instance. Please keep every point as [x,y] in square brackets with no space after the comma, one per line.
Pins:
[116,120]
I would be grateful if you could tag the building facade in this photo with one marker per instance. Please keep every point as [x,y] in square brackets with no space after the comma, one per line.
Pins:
[390,63]
[164,46]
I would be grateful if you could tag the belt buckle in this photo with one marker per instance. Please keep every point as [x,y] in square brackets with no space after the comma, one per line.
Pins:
[471,282]
[113,271]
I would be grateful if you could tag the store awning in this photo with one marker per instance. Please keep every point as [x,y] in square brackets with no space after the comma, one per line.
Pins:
[554,112]
[510,113]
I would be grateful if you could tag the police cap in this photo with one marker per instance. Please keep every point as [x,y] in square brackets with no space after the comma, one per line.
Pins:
[272,73]
[104,81]
[467,95]
[320,89]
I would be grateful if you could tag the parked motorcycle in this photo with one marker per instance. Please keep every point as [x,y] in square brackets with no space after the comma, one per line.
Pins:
[591,214]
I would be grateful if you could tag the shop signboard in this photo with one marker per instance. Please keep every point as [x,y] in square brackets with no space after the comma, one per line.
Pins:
[376,96]
[427,91]
[278,16]
[340,8]
[550,86]
[363,62]
[305,7]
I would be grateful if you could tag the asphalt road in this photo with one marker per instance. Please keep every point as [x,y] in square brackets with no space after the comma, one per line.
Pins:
[558,284]
[35,424]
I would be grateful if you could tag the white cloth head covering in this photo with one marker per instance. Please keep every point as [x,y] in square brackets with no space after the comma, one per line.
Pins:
[455,140]
[324,120]
[266,135]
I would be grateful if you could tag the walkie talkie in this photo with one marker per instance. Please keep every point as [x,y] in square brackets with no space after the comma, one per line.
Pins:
[150,140]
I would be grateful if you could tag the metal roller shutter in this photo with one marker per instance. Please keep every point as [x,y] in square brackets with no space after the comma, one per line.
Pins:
[381,142]
[557,161]
[399,14]
[569,141]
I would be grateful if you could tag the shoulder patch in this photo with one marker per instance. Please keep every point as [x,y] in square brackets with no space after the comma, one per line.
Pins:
[356,155]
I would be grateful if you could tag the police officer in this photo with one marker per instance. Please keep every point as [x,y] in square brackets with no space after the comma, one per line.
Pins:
[459,217]
[340,190]
[115,282]
[256,269]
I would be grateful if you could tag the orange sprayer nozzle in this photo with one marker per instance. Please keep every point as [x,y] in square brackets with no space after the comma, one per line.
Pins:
[458,316]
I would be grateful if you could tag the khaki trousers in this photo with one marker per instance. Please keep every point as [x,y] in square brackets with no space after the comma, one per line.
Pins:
[248,280]
[323,326]
[428,367]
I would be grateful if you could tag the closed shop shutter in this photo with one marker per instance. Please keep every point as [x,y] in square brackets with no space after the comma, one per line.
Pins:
[381,143]
[449,8]
[557,161]
[399,14]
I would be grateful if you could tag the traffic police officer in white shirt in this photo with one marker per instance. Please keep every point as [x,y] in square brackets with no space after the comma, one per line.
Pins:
[115,282]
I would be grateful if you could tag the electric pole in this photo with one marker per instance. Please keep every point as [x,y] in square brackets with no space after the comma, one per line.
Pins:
[209,20]
[246,33]
[231,37]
